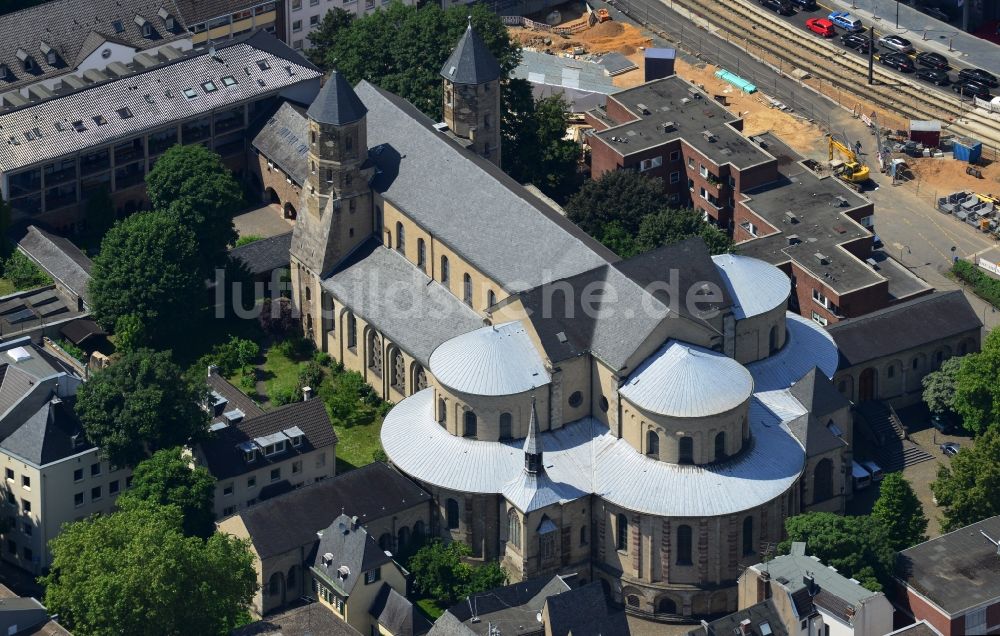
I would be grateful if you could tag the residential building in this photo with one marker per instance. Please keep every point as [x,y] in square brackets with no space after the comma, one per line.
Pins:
[544,606]
[52,474]
[350,573]
[283,530]
[301,17]
[25,616]
[761,619]
[812,598]
[920,628]
[108,134]
[392,614]
[953,581]
[818,231]
[255,454]
[886,354]
[210,23]
[311,619]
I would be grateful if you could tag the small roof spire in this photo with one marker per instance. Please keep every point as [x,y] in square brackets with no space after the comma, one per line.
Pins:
[471,62]
[337,103]
[533,444]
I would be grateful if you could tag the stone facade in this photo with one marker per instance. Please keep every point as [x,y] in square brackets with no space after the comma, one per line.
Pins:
[473,112]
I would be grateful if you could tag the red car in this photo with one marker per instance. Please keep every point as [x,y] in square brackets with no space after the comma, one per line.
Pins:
[821,26]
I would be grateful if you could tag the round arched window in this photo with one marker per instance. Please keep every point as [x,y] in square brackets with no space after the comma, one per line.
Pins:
[576,399]
[604,404]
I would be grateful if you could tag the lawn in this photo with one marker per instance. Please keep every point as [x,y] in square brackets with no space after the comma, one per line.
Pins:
[430,607]
[7,287]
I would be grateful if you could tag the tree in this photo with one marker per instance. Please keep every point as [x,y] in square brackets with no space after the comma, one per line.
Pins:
[191,183]
[326,34]
[977,387]
[621,196]
[23,272]
[899,513]
[939,386]
[100,216]
[130,333]
[168,478]
[148,268]
[969,489]
[855,546]
[440,572]
[140,404]
[670,226]
[134,572]
[6,245]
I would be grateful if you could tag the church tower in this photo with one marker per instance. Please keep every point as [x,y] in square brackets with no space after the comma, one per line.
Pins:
[336,209]
[472,95]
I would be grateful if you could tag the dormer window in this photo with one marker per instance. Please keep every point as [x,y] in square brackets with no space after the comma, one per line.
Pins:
[209,86]
[118,26]
[99,120]
[5,73]
[229,80]
[249,450]
[190,94]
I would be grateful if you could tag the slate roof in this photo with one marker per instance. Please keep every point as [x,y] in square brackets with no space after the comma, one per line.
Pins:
[585,610]
[371,492]
[336,104]
[417,322]
[235,399]
[74,29]
[511,609]
[956,571]
[471,62]
[906,325]
[265,255]
[818,394]
[238,57]
[224,460]
[346,551]
[313,619]
[283,139]
[81,330]
[788,571]
[60,258]
[468,203]
[398,615]
[764,613]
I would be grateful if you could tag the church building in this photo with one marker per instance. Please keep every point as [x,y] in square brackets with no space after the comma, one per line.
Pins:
[650,422]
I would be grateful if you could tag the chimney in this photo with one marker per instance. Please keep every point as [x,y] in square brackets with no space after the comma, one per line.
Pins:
[763,586]
[307,393]
[810,583]
[354,522]
[745,626]
[212,370]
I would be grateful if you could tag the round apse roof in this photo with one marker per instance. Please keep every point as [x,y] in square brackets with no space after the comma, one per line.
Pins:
[755,286]
[494,360]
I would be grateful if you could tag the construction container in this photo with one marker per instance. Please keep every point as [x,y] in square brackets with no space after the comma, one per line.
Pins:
[966,149]
[927,133]
[744,85]
[659,63]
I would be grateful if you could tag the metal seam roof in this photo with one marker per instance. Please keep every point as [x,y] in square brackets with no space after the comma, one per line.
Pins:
[756,286]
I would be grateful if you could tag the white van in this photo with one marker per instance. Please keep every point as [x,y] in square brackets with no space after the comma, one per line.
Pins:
[861,477]
[874,469]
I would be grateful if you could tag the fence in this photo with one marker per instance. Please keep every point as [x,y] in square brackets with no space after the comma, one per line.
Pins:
[527,23]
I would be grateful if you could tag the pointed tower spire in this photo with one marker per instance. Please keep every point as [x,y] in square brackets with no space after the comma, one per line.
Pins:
[471,62]
[472,95]
[533,445]
[336,104]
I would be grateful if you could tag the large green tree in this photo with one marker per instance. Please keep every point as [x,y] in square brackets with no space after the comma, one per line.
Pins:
[538,153]
[134,572]
[968,490]
[899,513]
[939,386]
[168,478]
[148,268]
[191,183]
[856,546]
[140,404]
[672,225]
[440,571]
[977,387]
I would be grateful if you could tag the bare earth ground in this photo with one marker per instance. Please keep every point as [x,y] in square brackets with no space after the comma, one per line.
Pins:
[945,175]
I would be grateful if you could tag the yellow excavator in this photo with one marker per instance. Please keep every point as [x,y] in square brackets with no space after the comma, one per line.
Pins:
[850,170]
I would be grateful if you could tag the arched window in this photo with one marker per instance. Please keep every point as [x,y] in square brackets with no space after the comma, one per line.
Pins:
[583,535]
[313,136]
[375,353]
[402,538]
[720,446]
[748,536]
[467,289]
[421,254]
[470,424]
[683,545]
[491,298]
[397,371]
[445,270]
[666,605]
[632,600]
[400,238]
[653,444]
[418,531]
[442,411]
[621,534]
[274,584]
[506,426]
[823,480]
[308,293]
[685,452]
[352,332]
[419,379]
[514,529]
[773,340]
[451,513]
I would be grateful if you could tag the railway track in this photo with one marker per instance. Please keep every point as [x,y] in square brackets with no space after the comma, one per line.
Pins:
[840,68]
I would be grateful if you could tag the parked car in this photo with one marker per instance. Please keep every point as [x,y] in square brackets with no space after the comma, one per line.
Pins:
[968,88]
[861,477]
[821,26]
[874,469]
[784,7]
[896,43]
[846,21]
[933,60]
[857,41]
[934,76]
[898,61]
[950,448]
[979,75]
[935,13]
[808,5]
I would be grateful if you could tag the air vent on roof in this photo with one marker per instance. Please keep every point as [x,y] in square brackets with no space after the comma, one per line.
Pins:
[263,64]
[709,135]
[669,126]
[343,572]
[643,109]
[840,202]
[235,416]
[561,337]
[217,426]
[148,98]
[694,92]
[793,239]
[261,82]
[59,126]
[790,217]
[821,258]
[327,558]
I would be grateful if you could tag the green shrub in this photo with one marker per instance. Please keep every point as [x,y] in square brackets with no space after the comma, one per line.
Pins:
[248,380]
[982,284]
[73,350]
[311,374]
[296,348]
[379,455]
[23,273]
[248,239]
[322,357]
[234,355]
[283,396]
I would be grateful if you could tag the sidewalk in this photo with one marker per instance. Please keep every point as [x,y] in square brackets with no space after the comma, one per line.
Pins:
[914,26]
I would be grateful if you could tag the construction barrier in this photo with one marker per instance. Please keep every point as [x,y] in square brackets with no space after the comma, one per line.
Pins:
[737,81]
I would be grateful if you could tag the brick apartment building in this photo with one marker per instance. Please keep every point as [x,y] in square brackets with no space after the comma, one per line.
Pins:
[767,197]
